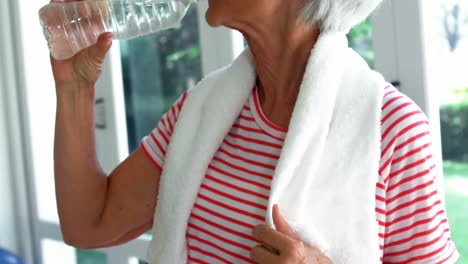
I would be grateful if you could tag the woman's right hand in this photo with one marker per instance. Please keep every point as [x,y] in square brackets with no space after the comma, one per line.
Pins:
[85,67]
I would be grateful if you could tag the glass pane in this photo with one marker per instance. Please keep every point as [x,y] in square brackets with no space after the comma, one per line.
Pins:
[447,52]
[157,69]
[90,257]
[360,39]
[56,252]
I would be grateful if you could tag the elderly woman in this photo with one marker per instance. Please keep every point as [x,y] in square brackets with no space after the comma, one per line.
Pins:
[295,153]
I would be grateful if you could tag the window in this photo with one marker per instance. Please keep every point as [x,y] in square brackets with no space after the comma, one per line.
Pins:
[447,51]
[156,70]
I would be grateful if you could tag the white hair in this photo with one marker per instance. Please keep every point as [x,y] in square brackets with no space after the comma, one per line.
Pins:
[338,15]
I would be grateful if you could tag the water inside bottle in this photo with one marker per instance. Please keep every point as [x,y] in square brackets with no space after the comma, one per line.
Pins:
[71,27]
[142,17]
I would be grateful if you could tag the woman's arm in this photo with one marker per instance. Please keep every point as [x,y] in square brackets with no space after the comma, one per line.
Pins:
[413,219]
[97,210]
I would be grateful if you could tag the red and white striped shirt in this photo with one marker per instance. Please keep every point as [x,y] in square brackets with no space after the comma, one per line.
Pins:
[234,194]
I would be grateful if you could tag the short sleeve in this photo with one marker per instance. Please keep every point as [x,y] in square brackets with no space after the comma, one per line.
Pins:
[415,228]
[156,143]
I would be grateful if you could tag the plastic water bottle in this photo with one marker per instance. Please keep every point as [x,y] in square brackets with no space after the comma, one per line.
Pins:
[74,26]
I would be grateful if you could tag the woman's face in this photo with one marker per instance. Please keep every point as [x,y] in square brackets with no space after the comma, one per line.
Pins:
[234,12]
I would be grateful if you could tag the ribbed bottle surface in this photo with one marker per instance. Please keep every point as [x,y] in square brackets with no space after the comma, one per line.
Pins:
[71,27]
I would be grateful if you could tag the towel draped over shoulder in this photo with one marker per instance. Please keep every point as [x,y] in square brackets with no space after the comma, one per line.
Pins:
[326,175]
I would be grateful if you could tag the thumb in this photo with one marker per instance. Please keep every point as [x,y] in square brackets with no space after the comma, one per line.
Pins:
[98,51]
[281,224]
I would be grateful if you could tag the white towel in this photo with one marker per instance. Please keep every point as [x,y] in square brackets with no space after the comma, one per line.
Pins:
[326,176]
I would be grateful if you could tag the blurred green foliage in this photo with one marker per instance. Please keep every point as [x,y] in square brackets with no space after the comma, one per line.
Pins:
[360,39]
[454,127]
[454,169]
[456,202]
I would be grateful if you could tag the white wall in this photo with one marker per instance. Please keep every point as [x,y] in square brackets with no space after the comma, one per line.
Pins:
[15,225]
[7,214]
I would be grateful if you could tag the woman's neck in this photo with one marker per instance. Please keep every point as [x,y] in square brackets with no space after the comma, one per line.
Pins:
[281,52]
[280,63]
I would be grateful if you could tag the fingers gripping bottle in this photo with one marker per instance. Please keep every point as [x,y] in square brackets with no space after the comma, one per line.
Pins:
[74,26]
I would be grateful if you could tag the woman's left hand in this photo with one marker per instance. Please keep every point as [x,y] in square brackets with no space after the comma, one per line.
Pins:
[283,245]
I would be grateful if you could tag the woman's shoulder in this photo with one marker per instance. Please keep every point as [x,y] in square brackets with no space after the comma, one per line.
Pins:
[407,189]
[405,129]
[400,114]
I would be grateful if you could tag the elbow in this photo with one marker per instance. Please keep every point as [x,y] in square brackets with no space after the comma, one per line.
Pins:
[77,241]
[79,245]
[94,237]
[79,238]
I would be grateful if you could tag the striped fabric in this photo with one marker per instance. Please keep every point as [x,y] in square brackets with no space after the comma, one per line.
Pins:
[233,196]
